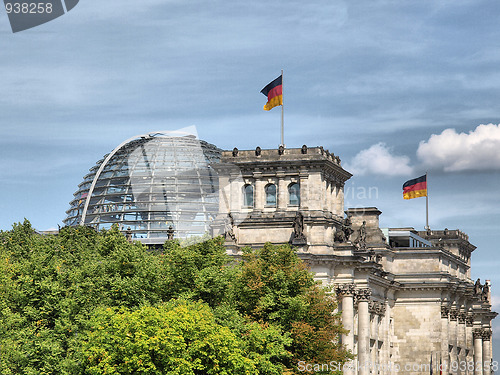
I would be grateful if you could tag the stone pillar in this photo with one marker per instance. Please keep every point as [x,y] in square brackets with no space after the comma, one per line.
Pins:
[259,194]
[469,338]
[315,191]
[345,292]
[282,194]
[461,341]
[453,335]
[333,197]
[384,354]
[486,336]
[236,195]
[304,190]
[445,310]
[478,351]
[339,201]
[372,309]
[363,296]
[378,335]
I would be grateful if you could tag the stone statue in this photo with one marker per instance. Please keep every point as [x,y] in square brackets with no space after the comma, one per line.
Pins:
[228,227]
[170,233]
[298,228]
[478,288]
[347,228]
[128,235]
[361,241]
[339,235]
[344,232]
[485,293]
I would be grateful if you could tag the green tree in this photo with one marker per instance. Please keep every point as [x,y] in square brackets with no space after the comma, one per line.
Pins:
[275,286]
[179,337]
[52,284]
[53,290]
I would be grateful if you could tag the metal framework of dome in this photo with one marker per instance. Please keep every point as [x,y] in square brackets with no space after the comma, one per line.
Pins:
[149,183]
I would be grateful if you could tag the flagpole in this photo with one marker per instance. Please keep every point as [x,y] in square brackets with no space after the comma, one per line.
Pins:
[282,110]
[427,204]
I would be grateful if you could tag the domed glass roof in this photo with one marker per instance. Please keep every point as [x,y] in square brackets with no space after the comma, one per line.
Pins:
[149,183]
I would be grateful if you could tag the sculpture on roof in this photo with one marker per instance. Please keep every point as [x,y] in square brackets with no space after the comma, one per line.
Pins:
[344,232]
[486,292]
[361,240]
[229,227]
[478,288]
[170,233]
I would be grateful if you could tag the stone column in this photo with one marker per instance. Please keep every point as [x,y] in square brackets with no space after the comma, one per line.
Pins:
[461,341]
[259,194]
[235,195]
[282,194]
[372,309]
[328,196]
[304,189]
[478,351]
[486,336]
[378,334]
[384,354]
[453,335]
[333,196]
[445,310]
[345,292]
[339,201]
[363,296]
[469,339]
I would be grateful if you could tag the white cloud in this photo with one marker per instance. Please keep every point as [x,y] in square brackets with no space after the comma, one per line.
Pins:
[454,152]
[379,160]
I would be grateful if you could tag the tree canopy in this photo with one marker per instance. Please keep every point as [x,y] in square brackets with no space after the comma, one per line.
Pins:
[83,302]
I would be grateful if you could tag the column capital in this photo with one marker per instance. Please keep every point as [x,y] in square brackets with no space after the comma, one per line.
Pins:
[453,314]
[376,307]
[470,320]
[486,334]
[462,317]
[477,333]
[363,295]
[344,289]
[445,311]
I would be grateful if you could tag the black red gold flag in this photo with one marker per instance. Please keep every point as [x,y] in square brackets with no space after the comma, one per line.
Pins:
[415,188]
[274,93]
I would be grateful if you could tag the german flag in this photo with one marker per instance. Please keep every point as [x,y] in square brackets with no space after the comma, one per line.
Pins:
[415,188]
[274,93]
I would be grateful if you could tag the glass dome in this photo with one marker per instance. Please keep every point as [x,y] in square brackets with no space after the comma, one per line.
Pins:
[149,183]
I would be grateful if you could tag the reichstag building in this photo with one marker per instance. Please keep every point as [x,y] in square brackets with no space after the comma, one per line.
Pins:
[406,296]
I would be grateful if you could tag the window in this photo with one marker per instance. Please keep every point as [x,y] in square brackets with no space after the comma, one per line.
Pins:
[271,195]
[248,196]
[294,194]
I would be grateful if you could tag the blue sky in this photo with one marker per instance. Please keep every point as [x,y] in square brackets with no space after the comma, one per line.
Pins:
[395,88]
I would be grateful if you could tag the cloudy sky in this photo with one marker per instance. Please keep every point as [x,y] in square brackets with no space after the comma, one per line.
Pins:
[396,88]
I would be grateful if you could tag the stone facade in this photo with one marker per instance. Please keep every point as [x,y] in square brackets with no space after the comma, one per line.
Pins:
[405,296]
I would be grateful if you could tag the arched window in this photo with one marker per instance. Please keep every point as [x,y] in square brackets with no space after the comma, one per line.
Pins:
[294,194]
[271,195]
[248,195]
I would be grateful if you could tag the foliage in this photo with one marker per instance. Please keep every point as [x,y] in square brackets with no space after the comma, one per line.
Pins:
[178,338]
[68,302]
[275,286]
[54,283]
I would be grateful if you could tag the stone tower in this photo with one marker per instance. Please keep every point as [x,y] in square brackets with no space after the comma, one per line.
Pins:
[281,196]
